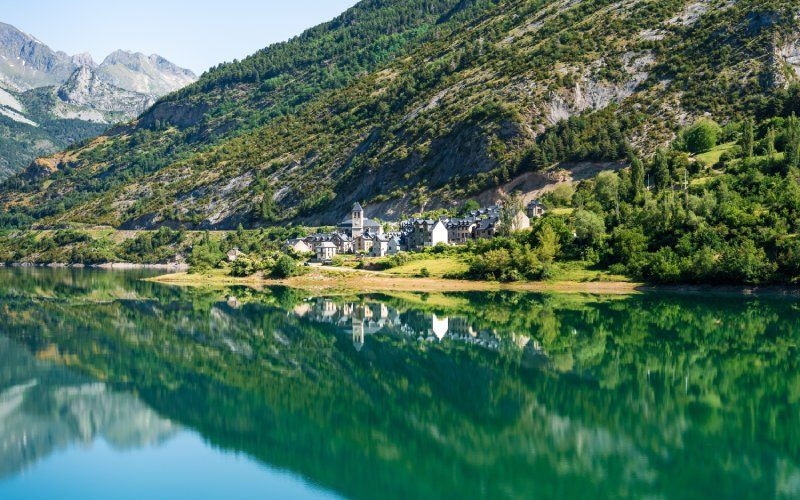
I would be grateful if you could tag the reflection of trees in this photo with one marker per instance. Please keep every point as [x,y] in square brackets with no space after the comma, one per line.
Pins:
[652,394]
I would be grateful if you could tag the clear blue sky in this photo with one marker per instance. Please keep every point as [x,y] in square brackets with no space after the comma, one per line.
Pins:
[194,34]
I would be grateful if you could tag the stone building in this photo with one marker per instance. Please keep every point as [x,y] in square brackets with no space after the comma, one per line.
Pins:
[326,251]
[535,209]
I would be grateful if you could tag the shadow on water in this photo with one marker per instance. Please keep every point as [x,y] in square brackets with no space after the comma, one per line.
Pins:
[457,395]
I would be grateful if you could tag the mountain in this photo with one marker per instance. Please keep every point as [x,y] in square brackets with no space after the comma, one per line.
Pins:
[88,89]
[27,63]
[49,100]
[150,75]
[419,104]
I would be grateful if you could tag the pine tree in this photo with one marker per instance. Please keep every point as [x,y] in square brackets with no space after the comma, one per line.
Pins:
[660,169]
[792,143]
[770,142]
[748,138]
[637,179]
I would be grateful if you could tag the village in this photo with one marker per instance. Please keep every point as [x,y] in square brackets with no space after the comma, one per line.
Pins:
[359,235]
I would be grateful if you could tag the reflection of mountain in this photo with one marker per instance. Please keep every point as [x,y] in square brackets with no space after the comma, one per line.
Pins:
[44,407]
[653,395]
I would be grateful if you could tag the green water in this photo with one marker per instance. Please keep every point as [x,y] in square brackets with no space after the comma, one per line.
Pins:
[111,387]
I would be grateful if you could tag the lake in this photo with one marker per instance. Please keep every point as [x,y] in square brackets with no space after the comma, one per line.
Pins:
[113,387]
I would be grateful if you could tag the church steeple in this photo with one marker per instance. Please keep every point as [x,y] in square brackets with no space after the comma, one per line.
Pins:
[357,220]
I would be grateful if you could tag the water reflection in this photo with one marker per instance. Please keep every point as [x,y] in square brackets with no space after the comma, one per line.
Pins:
[369,316]
[466,395]
[44,408]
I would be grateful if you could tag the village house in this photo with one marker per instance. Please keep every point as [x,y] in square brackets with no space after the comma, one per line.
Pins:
[421,233]
[342,242]
[459,231]
[380,246]
[394,245]
[535,209]
[325,251]
[487,227]
[298,245]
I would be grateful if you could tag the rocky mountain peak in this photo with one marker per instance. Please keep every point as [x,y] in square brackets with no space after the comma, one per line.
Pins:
[84,59]
[85,87]
[27,63]
[137,72]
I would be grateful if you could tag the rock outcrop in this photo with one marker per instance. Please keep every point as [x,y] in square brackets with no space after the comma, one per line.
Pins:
[86,88]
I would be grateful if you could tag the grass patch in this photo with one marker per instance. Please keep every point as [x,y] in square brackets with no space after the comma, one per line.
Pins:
[581,272]
[436,266]
[711,157]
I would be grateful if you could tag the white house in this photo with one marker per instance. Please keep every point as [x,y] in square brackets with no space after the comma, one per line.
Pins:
[438,234]
[326,251]
[439,326]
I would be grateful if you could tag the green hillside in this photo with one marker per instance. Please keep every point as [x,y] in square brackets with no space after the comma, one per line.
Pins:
[21,142]
[419,104]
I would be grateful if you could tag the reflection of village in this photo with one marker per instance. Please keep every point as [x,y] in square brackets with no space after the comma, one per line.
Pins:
[362,319]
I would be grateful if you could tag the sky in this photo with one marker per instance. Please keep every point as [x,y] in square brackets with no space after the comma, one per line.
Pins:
[194,34]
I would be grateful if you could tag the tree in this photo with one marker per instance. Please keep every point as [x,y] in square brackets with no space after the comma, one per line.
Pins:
[637,179]
[607,190]
[748,138]
[470,206]
[702,136]
[285,267]
[589,227]
[268,205]
[769,143]
[660,170]
[548,244]
[792,142]
[512,206]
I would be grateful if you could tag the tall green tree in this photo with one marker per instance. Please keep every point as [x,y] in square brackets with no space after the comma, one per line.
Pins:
[660,169]
[512,206]
[637,179]
[748,138]
[769,143]
[792,134]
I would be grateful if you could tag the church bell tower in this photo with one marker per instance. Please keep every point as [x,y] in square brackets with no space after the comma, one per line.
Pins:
[357,221]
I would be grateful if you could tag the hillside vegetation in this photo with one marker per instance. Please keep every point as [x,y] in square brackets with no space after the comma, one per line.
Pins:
[418,104]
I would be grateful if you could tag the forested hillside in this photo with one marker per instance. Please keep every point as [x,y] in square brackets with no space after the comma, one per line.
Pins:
[417,104]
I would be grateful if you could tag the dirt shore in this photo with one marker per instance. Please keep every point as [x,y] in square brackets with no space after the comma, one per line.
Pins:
[375,282]
[360,281]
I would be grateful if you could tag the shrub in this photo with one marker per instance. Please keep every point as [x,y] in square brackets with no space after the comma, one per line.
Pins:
[285,267]
[245,266]
[702,136]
